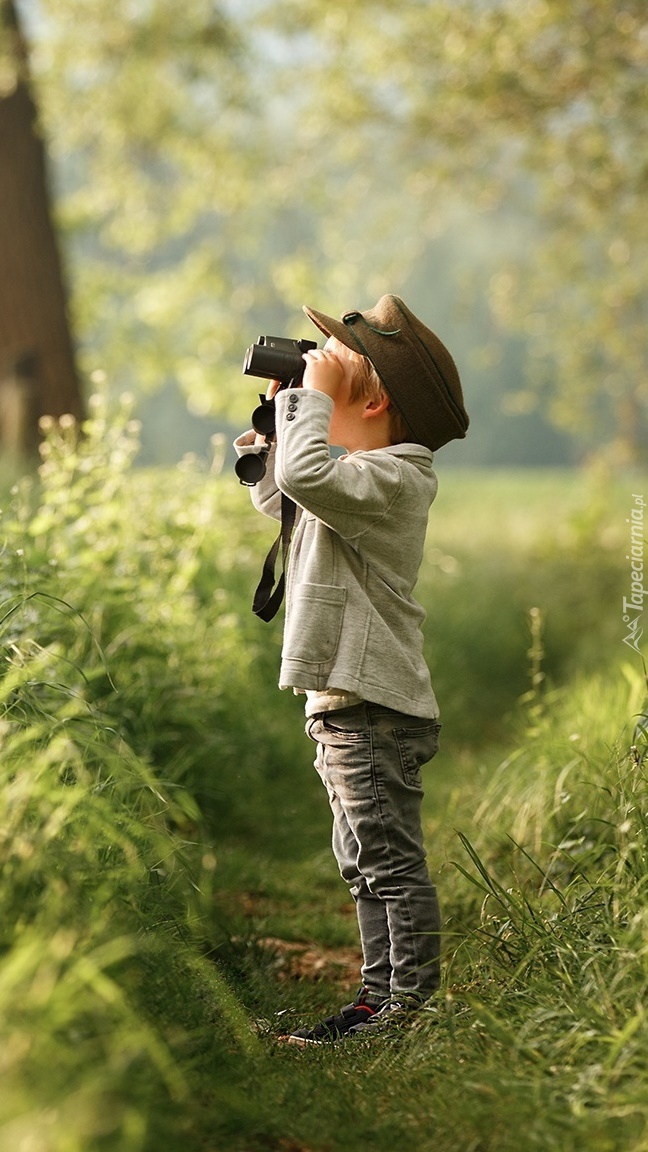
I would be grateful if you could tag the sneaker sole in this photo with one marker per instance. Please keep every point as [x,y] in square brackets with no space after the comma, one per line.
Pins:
[301,1041]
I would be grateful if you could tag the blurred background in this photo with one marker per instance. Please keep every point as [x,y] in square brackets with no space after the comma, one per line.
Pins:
[177,179]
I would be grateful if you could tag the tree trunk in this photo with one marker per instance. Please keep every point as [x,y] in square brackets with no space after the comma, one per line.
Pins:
[37,369]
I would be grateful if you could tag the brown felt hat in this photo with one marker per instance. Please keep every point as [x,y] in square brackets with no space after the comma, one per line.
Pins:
[416,369]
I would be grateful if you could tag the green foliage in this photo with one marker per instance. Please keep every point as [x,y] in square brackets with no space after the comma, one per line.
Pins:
[85,836]
[221,164]
[457,96]
[102,858]
[144,579]
[541,1026]
[163,836]
[547,541]
[150,112]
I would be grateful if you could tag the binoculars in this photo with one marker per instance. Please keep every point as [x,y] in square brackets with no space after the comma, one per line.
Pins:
[271,358]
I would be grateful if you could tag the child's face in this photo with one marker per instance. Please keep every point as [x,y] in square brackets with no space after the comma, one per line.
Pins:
[332,370]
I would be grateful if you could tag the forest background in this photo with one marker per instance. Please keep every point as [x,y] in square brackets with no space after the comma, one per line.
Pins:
[168,903]
[217,166]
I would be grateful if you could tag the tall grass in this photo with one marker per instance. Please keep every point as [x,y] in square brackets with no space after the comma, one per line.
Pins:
[104,867]
[539,1039]
[162,837]
[83,834]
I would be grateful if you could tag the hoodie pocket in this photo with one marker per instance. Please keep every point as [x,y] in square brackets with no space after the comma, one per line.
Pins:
[314,623]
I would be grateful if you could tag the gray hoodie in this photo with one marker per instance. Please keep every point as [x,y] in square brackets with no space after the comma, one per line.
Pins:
[352,622]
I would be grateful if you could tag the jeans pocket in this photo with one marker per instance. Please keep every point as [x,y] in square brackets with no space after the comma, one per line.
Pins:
[340,728]
[319,727]
[416,745]
[312,727]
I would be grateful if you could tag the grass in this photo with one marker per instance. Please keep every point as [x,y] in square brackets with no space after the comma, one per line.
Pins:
[168,899]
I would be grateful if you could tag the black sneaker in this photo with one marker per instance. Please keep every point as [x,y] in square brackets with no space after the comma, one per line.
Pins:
[389,1019]
[333,1027]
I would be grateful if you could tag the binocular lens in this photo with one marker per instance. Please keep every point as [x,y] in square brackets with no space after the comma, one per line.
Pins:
[251,468]
[263,419]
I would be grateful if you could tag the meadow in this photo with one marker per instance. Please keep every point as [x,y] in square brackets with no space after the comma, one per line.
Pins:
[169,903]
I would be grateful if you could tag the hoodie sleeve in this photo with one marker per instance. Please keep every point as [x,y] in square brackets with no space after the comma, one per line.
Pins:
[351,494]
[265,495]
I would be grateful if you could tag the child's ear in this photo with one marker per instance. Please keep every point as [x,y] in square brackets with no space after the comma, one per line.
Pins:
[376,407]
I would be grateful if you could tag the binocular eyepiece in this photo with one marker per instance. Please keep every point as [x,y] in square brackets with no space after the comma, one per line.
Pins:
[271,358]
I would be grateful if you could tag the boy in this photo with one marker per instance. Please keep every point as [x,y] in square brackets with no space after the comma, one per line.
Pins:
[386,389]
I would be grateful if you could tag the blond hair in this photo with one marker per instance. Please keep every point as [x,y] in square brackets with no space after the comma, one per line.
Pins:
[367,385]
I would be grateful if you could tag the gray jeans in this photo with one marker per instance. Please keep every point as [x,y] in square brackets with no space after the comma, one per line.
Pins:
[369,758]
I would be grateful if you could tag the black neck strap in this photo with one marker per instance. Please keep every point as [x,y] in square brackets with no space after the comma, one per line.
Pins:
[267,602]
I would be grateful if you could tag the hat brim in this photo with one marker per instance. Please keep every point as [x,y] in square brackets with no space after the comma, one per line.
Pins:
[331,327]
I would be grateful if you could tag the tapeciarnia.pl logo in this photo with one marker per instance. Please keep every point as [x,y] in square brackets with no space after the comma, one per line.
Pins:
[633,605]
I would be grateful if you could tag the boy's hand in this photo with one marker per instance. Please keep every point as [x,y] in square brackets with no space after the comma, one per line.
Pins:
[324,371]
